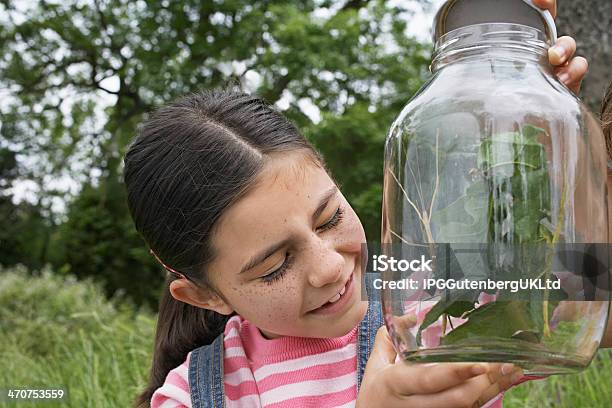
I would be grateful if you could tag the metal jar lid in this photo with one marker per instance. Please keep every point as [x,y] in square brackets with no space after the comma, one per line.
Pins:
[454,14]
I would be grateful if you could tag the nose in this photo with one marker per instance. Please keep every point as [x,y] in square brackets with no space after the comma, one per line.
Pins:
[327,266]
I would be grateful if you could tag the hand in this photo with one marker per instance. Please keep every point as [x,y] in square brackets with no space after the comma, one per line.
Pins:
[448,385]
[569,69]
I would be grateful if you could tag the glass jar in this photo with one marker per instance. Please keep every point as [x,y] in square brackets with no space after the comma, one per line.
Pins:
[496,172]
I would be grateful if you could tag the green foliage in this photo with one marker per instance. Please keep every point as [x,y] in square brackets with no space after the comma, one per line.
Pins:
[514,166]
[57,331]
[513,190]
[356,65]
[591,388]
[94,242]
[485,322]
[462,221]
[24,236]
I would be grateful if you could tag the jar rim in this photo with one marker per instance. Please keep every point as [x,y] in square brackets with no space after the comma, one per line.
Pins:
[453,14]
[490,37]
[492,33]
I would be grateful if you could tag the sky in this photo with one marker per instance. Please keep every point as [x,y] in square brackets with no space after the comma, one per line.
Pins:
[419,26]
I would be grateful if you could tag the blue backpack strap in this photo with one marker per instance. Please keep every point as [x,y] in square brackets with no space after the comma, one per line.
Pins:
[206,375]
[367,334]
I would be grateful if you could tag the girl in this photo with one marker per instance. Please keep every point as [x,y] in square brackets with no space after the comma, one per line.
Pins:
[265,249]
[264,304]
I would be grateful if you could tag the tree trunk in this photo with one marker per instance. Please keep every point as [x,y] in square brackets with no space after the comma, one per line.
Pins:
[590,23]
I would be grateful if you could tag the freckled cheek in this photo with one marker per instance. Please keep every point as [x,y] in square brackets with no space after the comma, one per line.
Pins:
[279,301]
[352,230]
[353,226]
[277,309]
[286,298]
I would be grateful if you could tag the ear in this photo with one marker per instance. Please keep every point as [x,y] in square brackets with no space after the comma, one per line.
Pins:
[185,291]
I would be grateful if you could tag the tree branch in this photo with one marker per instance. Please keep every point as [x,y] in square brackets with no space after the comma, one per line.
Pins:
[354,5]
[106,90]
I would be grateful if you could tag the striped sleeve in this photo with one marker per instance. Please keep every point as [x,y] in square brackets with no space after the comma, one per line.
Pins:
[174,393]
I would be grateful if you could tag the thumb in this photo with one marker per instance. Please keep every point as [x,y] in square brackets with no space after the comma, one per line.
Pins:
[383,353]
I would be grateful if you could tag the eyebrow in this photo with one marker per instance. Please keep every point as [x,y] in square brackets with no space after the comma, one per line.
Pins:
[263,255]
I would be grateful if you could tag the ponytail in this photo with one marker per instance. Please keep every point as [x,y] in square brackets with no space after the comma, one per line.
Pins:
[181,328]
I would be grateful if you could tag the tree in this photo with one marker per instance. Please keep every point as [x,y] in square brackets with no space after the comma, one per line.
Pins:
[95,243]
[24,236]
[351,60]
[589,22]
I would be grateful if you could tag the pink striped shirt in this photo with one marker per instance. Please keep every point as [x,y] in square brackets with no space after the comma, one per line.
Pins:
[274,373]
[291,372]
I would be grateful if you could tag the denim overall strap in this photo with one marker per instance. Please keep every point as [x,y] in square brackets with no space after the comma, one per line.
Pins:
[367,333]
[206,375]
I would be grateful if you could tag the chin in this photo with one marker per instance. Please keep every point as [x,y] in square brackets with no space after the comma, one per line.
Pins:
[350,320]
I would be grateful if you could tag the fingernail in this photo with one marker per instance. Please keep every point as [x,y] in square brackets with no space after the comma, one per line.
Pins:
[559,51]
[564,77]
[516,376]
[507,368]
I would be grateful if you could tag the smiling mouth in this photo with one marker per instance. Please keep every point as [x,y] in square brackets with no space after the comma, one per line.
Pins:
[338,295]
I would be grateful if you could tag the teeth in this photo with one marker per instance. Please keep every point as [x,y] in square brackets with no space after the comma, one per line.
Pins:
[338,295]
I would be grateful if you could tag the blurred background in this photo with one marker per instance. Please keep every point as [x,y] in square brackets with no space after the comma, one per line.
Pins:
[78,289]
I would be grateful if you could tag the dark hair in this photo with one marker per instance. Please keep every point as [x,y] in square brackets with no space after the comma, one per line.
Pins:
[606,119]
[190,161]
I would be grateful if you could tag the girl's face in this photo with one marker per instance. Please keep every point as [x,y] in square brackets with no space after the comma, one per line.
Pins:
[288,247]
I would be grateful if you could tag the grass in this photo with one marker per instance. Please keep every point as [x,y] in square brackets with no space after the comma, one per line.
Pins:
[591,388]
[56,331]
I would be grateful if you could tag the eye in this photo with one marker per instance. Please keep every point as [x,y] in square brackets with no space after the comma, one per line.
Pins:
[333,221]
[280,272]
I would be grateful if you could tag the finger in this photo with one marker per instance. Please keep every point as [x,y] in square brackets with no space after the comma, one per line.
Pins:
[502,384]
[383,353]
[499,371]
[550,5]
[562,51]
[404,322]
[467,394]
[433,378]
[573,73]
[401,325]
